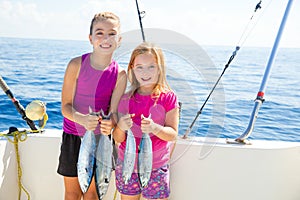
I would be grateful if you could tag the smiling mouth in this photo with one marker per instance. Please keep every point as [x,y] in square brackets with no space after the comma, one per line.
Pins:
[105,46]
[146,79]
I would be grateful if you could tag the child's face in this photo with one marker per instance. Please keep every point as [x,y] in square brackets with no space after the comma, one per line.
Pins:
[105,36]
[146,71]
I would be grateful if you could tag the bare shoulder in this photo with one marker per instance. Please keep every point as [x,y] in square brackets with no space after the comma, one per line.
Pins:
[75,63]
[121,70]
[74,66]
[121,73]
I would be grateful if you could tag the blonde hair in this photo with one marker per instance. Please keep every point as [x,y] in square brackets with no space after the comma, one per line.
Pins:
[103,16]
[161,85]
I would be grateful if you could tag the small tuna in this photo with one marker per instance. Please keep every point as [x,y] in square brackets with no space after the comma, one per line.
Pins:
[129,157]
[145,159]
[104,163]
[86,160]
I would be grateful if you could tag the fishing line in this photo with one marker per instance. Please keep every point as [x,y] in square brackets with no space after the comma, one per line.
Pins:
[237,48]
[247,31]
[258,6]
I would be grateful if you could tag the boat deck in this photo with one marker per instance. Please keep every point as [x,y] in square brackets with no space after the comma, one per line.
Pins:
[201,168]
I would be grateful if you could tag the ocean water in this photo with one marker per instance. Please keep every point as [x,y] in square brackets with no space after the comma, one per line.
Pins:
[34,69]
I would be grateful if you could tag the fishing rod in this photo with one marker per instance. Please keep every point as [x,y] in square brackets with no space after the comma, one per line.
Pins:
[200,111]
[260,95]
[16,103]
[234,53]
[140,19]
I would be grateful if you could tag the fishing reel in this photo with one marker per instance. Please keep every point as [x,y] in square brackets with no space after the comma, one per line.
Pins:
[36,111]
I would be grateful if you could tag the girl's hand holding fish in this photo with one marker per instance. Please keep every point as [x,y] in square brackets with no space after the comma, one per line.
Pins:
[106,125]
[125,122]
[149,126]
[89,122]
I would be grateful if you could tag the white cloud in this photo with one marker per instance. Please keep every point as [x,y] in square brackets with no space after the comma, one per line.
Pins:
[17,13]
[21,19]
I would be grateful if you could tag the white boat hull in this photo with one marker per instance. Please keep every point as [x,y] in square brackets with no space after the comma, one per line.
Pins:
[201,168]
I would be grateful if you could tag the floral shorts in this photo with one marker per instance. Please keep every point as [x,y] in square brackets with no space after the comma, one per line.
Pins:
[158,186]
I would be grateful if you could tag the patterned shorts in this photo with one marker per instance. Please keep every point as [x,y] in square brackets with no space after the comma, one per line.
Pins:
[158,186]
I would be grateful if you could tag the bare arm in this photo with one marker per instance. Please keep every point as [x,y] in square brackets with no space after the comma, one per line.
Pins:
[125,122]
[117,94]
[119,134]
[107,125]
[169,131]
[68,92]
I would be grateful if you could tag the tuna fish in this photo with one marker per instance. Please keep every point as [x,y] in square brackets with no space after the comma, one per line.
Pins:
[145,159]
[103,163]
[86,160]
[129,157]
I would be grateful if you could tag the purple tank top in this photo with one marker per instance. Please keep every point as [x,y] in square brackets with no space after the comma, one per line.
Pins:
[94,89]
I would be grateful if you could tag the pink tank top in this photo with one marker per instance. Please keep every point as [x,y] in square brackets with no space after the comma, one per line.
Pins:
[94,89]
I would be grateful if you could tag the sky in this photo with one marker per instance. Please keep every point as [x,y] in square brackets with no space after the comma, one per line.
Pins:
[207,22]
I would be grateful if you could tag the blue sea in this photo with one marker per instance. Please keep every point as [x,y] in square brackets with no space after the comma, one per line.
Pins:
[34,69]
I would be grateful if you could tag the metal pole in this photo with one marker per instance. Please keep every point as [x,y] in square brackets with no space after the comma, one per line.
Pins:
[260,95]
